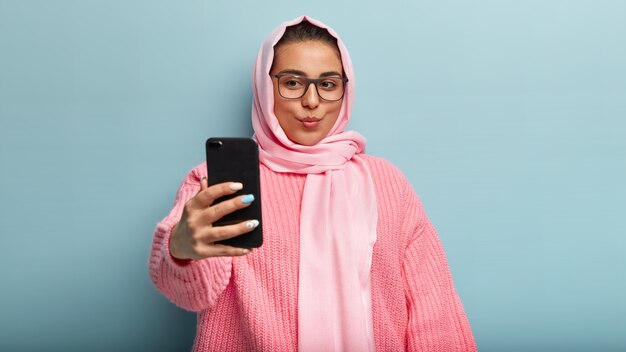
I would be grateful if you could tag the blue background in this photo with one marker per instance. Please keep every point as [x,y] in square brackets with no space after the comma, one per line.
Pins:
[507,116]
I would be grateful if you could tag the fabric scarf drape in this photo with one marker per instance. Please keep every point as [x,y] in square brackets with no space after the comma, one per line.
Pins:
[338,214]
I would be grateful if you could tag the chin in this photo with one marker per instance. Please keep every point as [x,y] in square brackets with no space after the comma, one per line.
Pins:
[306,140]
[307,143]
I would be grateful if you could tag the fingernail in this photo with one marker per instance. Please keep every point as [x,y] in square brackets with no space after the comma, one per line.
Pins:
[245,250]
[235,186]
[203,178]
[247,199]
[252,224]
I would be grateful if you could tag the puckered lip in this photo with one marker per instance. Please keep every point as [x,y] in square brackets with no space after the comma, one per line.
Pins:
[308,119]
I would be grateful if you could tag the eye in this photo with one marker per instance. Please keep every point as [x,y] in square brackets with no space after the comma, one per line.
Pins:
[329,84]
[292,82]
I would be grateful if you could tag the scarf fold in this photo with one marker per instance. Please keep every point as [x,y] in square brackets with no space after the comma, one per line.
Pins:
[337,218]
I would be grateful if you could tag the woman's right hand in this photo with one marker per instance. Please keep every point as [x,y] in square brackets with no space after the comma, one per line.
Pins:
[194,237]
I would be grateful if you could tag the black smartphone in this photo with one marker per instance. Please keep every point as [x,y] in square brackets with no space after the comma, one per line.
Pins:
[237,160]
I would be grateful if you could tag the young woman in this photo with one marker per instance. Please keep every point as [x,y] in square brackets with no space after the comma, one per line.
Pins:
[349,262]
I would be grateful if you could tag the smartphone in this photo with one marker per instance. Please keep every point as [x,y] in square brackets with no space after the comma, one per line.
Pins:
[237,160]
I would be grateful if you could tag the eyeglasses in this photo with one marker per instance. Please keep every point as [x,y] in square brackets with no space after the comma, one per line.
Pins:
[292,86]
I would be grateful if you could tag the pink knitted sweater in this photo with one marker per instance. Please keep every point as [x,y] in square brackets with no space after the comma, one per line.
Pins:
[250,303]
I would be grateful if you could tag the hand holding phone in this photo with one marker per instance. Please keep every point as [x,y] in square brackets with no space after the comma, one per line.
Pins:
[232,226]
[195,237]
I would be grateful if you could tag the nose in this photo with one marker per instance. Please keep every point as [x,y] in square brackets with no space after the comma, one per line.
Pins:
[310,98]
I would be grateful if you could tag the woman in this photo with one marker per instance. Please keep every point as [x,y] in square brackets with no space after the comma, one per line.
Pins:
[349,261]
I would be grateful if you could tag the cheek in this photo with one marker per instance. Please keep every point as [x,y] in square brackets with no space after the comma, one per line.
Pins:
[279,105]
[334,111]
[281,109]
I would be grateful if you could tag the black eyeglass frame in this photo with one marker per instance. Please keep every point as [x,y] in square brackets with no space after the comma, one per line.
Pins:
[315,81]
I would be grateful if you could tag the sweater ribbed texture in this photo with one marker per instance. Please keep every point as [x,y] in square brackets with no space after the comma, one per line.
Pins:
[250,303]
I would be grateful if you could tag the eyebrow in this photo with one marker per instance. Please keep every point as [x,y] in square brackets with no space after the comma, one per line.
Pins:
[302,73]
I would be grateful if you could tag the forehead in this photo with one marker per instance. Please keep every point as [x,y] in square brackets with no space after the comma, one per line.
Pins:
[310,57]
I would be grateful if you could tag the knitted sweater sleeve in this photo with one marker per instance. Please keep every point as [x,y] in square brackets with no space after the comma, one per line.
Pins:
[191,285]
[437,321]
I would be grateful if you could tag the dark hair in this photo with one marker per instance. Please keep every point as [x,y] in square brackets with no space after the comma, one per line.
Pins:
[306,31]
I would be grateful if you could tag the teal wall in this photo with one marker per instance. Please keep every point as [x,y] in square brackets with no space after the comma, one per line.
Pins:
[508,117]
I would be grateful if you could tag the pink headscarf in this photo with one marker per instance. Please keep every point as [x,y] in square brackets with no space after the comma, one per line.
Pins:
[338,215]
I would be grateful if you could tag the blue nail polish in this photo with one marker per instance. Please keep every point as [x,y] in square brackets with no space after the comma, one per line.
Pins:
[247,199]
